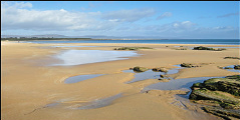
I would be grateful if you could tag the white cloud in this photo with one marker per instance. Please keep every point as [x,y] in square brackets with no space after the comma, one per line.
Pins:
[16,16]
[164,15]
[129,15]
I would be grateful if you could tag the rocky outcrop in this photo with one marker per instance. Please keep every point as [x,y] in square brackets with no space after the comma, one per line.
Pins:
[140,69]
[222,91]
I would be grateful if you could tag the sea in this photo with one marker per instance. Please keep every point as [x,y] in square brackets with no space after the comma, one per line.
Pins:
[164,41]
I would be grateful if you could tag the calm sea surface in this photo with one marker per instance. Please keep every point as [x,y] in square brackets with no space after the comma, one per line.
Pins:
[169,41]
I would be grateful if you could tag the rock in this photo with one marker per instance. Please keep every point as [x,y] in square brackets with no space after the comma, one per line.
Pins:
[224,113]
[162,69]
[140,69]
[222,91]
[228,68]
[237,67]
[205,94]
[206,48]
[197,86]
[188,65]
[202,48]
[162,76]
[231,58]
[131,48]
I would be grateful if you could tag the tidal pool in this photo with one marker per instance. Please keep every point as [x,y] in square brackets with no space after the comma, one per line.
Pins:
[79,57]
[177,84]
[149,74]
[232,70]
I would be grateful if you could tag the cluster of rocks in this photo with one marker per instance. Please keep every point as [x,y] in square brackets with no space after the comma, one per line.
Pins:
[221,95]
[143,69]
[206,48]
[132,48]
[159,69]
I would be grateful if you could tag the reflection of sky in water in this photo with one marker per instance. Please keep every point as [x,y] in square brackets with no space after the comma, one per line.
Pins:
[176,84]
[78,57]
[149,74]
[232,70]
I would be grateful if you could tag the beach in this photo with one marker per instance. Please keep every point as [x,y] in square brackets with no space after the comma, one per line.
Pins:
[31,90]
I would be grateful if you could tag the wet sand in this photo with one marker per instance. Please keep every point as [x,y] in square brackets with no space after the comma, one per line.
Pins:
[28,85]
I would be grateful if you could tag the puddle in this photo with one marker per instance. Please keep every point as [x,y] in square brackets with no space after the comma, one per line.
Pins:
[144,75]
[149,74]
[79,78]
[79,57]
[100,102]
[232,70]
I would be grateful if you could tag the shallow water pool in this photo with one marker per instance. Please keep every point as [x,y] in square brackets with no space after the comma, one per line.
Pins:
[79,57]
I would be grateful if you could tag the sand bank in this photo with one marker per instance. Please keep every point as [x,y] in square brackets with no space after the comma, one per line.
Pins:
[28,85]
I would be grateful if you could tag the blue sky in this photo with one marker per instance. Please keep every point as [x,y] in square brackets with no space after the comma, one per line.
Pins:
[153,19]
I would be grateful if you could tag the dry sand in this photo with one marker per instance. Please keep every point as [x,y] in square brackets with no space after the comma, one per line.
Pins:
[28,85]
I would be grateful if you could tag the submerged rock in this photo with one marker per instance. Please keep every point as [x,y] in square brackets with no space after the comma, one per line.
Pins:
[222,91]
[140,69]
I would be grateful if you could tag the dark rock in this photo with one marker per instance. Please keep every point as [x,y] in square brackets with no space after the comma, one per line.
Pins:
[131,48]
[237,67]
[188,65]
[202,48]
[162,69]
[140,69]
[206,48]
[231,58]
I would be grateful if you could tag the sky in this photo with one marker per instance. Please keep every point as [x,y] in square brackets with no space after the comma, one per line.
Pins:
[152,19]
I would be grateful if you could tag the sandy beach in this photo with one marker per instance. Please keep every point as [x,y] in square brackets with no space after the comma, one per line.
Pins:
[31,90]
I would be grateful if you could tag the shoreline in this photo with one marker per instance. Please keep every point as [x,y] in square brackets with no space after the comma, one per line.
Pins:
[43,85]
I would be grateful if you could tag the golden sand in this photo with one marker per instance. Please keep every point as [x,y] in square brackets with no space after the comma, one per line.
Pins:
[28,85]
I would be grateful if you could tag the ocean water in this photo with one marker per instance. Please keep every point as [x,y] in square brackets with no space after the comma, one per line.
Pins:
[167,41]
